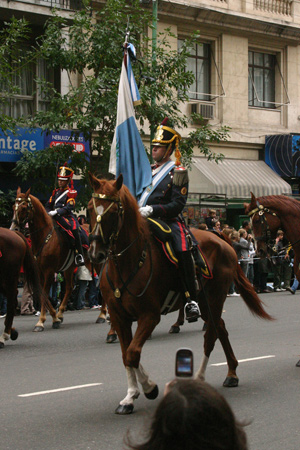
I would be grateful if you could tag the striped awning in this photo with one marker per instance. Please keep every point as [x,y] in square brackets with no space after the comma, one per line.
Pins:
[235,178]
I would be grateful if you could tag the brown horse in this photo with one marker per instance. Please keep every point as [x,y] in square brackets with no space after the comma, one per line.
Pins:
[137,279]
[268,215]
[50,248]
[15,253]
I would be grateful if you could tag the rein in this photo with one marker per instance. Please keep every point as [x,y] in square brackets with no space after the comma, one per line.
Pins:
[115,232]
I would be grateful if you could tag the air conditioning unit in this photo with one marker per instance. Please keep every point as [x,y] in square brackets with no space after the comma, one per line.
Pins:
[207,110]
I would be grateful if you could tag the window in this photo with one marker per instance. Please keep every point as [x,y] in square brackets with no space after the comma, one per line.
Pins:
[261,80]
[25,96]
[199,64]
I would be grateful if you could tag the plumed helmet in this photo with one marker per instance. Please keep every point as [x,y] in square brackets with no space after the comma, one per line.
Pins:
[167,136]
[65,173]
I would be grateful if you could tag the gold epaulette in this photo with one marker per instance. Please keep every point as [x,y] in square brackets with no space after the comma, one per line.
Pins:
[181,176]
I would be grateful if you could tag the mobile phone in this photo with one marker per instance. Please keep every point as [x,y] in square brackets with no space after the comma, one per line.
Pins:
[184,363]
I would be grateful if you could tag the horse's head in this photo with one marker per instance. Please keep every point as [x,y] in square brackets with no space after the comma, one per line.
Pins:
[106,216]
[264,224]
[23,211]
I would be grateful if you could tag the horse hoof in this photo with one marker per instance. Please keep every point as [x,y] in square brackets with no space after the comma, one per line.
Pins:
[100,320]
[61,319]
[14,335]
[153,394]
[174,329]
[298,363]
[1,344]
[231,382]
[124,409]
[38,328]
[111,338]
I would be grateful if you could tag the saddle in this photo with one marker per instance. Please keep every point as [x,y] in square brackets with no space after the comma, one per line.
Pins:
[67,233]
[163,234]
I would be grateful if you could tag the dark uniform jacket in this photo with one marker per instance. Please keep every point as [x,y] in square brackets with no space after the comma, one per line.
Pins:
[64,204]
[168,200]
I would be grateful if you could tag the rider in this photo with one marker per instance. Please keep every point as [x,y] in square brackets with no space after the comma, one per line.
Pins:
[60,206]
[166,198]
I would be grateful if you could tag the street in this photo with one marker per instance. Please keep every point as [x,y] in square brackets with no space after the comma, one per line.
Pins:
[76,356]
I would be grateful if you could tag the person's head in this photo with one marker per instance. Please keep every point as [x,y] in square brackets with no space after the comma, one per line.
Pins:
[202,226]
[64,176]
[246,225]
[280,234]
[242,233]
[235,236]
[216,223]
[165,141]
[212,213]
[193,415]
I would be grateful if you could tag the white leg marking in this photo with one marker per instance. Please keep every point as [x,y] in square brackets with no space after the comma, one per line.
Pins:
[4,337]
[200,374]
[143,377]
[133,390]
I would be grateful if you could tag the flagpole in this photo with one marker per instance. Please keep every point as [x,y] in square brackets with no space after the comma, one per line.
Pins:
[154,44]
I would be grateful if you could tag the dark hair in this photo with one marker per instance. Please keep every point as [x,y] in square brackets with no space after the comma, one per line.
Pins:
[193,416]
[245,223]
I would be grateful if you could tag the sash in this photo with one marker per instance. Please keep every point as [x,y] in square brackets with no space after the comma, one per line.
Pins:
[160,175]
[61,196]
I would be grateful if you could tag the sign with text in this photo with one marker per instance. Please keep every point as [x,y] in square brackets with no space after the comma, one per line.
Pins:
[11,145]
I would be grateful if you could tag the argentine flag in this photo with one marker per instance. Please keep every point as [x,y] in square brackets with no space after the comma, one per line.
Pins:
[128,155]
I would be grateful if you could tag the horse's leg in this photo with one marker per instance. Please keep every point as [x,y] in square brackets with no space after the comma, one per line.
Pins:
[175,328]
[231,379]
[68,276]
[150,388]
[46,304]
[103,312]
[12,301]
[111,335]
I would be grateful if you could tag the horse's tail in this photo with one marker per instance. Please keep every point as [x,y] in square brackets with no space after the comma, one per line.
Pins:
[31,275]
[249,295]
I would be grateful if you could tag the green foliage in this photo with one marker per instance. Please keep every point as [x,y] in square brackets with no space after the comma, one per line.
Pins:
[6,202]
[91,105]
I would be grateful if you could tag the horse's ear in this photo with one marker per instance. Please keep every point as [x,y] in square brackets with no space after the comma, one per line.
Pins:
[95,183]
[27,193]
[253,198]
[119,182]
[246,207]
[18,191]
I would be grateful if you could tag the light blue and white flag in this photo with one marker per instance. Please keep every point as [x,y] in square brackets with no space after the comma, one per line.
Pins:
[128,155]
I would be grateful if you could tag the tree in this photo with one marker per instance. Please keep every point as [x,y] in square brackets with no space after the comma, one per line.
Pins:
[90,50]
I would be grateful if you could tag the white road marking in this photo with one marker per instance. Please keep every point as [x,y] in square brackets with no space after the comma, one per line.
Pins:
[245,360]
[70,388]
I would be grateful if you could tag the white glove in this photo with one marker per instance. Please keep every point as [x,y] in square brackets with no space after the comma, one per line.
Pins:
[52,213]
[146,211]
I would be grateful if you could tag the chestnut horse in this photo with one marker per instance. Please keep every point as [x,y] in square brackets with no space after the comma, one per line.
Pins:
[137,279]
[269,214]
[15,253]
[50,248]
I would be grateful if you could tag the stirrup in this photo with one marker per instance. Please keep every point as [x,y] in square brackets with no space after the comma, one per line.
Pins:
[192,312]
[79,261]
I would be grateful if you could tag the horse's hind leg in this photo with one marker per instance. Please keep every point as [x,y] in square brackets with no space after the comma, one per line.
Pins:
[12,302]
[231,379]
[175,328]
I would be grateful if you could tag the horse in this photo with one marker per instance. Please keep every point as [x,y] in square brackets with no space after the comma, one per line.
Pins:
[15,253]
[137,279]
[51,250]
[269,214]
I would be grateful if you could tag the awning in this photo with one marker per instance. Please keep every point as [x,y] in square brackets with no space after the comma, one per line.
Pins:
[235,178]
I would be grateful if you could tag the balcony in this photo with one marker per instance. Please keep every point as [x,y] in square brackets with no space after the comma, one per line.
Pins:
[66,5]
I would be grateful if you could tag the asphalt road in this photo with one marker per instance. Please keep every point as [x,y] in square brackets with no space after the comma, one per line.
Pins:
[77,356]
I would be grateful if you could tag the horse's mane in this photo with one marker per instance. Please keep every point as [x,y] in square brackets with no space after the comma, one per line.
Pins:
[281,204]
[39,207]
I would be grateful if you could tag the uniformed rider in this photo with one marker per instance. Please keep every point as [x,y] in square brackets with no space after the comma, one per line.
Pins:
[61,205]
[165,199]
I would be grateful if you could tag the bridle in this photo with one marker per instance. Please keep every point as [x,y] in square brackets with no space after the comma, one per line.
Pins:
[20,201]
[98,225]
[266,232]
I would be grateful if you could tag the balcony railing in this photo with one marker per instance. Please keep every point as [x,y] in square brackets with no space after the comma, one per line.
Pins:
[283,7]
[69,5]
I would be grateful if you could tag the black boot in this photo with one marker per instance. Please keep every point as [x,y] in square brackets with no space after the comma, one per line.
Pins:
[79,260]
[187,273]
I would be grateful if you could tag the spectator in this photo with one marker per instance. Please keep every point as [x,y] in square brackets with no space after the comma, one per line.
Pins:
[193,415]
[282,264]
[216,225]
[202,226]
[212,213]
[83,277]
